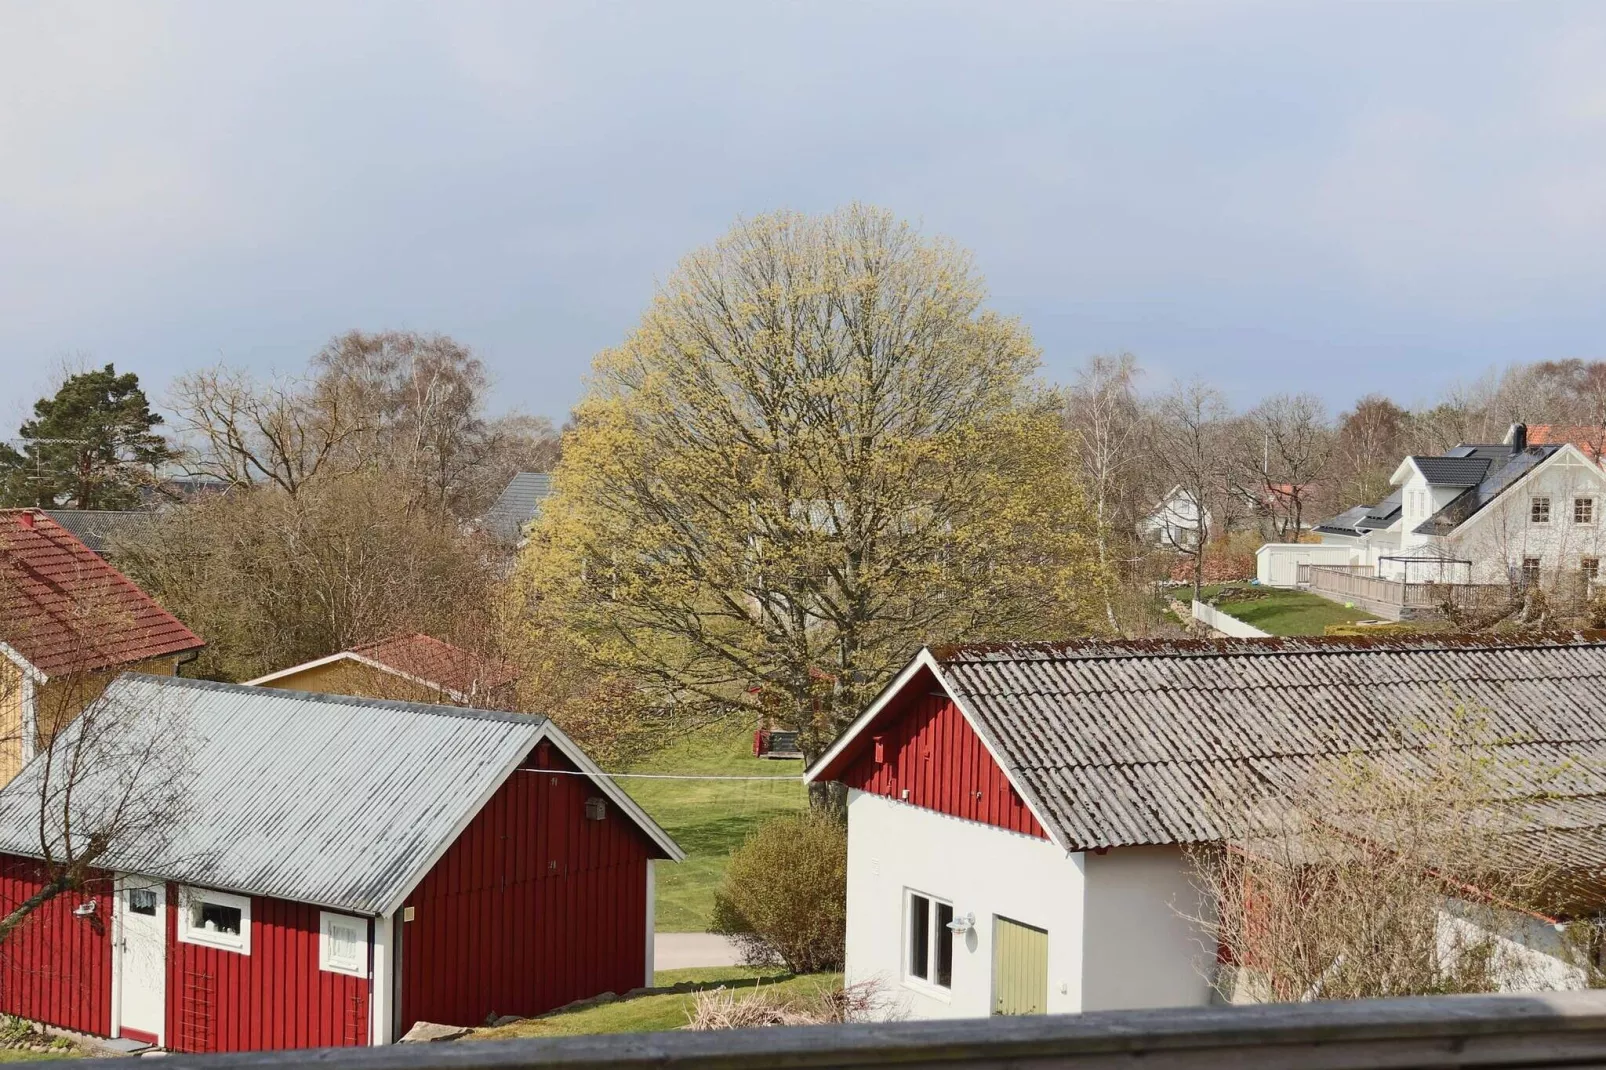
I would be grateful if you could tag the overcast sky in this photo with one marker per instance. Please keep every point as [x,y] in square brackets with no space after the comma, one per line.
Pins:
[1337,198]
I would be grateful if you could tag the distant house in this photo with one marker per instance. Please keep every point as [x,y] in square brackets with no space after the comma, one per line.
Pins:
[347,868]
[518,505]
[98,528]
[1018,813]
[416,667]
[68,623]
[1511,513]
[1174,521]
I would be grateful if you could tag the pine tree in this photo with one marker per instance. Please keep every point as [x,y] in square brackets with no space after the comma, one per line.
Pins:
[91,446]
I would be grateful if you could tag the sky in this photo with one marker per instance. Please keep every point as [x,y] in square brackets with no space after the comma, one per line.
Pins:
[1334,198]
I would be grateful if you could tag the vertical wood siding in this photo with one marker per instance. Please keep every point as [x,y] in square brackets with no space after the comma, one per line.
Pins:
[275,997]
[55,967]
[928,749]
[533,907]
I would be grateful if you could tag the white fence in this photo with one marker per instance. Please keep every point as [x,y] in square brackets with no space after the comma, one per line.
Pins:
[1277,563]
[1225,623]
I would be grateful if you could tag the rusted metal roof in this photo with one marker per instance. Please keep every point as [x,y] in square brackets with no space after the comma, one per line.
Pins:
[1161,742]
[64,609]
[441,664]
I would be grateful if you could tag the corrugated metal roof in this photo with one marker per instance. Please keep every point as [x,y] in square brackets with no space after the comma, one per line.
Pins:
[320,799]
[95,527]
[1126,743]
[519,503]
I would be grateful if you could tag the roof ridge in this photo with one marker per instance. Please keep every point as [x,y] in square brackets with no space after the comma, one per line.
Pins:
[438,709]
[1271,646]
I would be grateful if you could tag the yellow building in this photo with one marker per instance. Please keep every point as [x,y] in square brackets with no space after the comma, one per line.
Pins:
[415,668]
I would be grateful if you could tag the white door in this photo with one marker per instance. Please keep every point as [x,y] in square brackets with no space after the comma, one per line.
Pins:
[141,958]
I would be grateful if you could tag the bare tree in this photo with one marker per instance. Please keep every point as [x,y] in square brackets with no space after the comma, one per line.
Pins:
[1187,436]
[1295,442]
[1369,445]
[1102,409]
[1375,876]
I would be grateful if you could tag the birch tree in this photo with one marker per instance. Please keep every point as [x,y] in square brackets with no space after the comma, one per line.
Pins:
[817,452]
[1102,409]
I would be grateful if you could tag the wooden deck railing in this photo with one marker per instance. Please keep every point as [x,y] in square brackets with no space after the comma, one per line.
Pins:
[1357,583]
[1518,1032]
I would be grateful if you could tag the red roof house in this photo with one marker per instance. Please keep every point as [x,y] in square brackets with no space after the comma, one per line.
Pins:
[67,621]
[413,666]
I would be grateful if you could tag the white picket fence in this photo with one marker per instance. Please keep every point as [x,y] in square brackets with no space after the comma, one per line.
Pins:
[1225,623]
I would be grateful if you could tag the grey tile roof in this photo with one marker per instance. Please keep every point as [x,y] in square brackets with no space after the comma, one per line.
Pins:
[315,798]
[518,505]
[94,527]
[1127,743]
[1453,471]
[1505,469]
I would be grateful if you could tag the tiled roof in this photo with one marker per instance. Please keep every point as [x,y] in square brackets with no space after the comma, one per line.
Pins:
[447,667]
[1153,742]
[320,799]
[66,610]
[1505,468]
[1590,440]
[1453,471]
[518,505]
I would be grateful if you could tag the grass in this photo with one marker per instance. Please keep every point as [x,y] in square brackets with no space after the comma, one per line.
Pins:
[15,1055]
[1282,612]
[709,819]
[657,1013]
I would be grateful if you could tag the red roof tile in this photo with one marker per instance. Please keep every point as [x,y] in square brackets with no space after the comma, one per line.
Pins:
[64,609]
[1591,441]
[440,664]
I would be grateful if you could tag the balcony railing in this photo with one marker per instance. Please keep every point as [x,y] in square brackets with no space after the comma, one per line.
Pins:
[1564,1029]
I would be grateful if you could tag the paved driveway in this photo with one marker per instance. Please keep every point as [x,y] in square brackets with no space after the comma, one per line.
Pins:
[680,951]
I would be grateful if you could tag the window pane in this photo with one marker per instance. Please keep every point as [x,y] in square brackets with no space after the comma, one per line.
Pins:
[217,918]
[1541,511]
[945,946]
[1584,511]
[919,933]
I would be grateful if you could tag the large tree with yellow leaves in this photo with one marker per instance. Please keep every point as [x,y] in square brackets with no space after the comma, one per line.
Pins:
[818,452]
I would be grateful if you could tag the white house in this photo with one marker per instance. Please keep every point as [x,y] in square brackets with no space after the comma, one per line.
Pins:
[1511,512]
[1018,813]
[1175,520]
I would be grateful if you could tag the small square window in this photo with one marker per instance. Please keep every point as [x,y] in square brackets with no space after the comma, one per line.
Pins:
[931,943]
[142,901]
[1590,567]
[215,919]
[1583,510]
[342,944]
[1539,510]
[1530,571]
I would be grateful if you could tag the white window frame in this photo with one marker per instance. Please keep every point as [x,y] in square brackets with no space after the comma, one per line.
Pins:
[189,933]
[326,962]
[927,986]
[1533,508]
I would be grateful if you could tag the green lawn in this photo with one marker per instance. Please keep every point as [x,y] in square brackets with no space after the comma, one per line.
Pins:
[709,819]
[1282,612]
[657,1013]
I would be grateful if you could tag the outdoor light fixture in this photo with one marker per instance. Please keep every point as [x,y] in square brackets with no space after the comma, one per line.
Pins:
[85,909]
[962,923]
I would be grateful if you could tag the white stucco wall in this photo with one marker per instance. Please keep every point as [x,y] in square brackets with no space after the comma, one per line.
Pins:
[894,848]
[1141,944]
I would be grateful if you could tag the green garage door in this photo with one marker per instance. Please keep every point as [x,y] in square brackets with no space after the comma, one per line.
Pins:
[1020,968]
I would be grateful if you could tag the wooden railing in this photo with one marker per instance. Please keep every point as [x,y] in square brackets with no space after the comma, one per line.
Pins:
[1357,583]
[1518,1032]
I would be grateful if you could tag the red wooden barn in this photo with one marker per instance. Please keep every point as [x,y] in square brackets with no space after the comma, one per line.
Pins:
[338,869]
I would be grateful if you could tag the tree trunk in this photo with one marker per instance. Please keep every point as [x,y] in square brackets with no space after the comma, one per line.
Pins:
[829,798]
[60,883]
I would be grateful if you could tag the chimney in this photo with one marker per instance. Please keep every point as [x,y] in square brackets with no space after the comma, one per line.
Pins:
[1518,437]
[25,518]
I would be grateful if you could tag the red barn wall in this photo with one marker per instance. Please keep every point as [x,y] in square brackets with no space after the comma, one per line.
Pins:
[55,967]
[533,907]
[275,997]
[929,750]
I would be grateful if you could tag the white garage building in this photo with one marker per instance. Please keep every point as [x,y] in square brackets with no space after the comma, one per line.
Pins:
[1018,814]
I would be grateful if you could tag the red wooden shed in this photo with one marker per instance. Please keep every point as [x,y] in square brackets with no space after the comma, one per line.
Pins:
[344,868]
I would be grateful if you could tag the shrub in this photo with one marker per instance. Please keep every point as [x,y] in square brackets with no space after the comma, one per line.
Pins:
[784,896]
